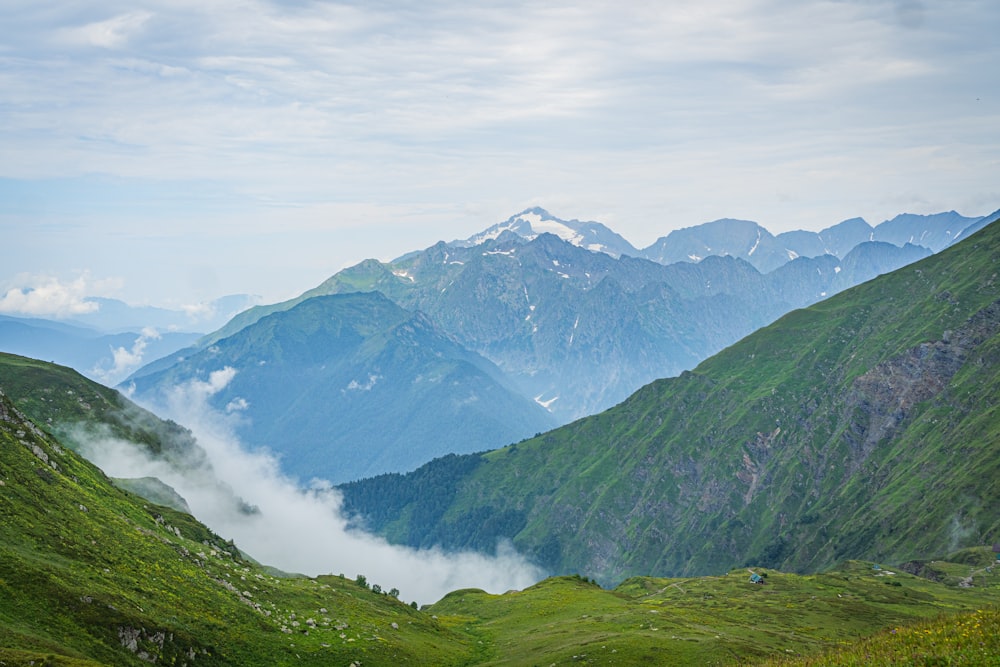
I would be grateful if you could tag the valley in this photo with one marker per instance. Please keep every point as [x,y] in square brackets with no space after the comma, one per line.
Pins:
[91,575]
[534,334]
[823,481]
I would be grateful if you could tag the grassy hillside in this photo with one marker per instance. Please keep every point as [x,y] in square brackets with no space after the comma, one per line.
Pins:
[92,575]
[865,426]
[61,400]
[970,639]
[720,620]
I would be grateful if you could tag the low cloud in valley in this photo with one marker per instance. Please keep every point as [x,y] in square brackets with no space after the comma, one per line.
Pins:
[244,496]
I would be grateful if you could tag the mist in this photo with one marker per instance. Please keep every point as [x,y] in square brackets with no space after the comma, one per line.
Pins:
[125,360]
[244,496]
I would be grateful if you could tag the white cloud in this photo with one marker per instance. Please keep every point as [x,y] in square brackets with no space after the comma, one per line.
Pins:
[110,33]
[217,381]
[327,81]
[48,296]
[125,360]
[286,139]
[199,311]
[297,530]
[238,404]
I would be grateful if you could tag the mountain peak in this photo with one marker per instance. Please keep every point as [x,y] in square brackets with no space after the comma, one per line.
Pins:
[534,221]
[935,231]
[745,239]
[534,210]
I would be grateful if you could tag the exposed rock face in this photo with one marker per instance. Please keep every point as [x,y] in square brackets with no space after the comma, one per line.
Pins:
[147,646]
[30,436]
[884,397]
[757,454]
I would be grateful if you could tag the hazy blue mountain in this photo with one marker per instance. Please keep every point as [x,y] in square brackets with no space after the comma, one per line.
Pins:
[935,231]
[800,243]
[572,330]
[577,331]
[841,238]
[532,222]
[873,258]
[837,240]
[112,315]
[738,238]
[975,226]
[104,357]
[751,242]
[345,386]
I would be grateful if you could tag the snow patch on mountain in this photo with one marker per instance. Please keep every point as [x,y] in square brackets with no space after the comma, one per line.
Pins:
[533,222]
[354,385]
[404,274]
[546,404]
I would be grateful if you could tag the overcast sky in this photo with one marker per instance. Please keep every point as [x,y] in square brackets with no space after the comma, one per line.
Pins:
[172,151]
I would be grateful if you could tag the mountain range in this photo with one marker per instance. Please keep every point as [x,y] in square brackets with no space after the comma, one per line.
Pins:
[738,238]
[579,329]
[108,357]
[523,327]
[351,385]
[114,339]
[861,426]
[766,252]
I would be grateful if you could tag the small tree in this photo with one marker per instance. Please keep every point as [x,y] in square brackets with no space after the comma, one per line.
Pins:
[393,593]
[361,580]
[376,588]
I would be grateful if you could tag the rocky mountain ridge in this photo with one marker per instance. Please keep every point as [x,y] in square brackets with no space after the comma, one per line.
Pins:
[794,447]
[577,330]
[766,252]
[570,329]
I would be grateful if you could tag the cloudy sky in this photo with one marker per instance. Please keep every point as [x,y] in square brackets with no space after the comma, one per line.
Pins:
[171,151]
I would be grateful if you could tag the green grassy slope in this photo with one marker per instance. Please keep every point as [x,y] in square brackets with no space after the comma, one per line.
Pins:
[865,426]
[60,399]
[966,640]
[718,620]
[91,573]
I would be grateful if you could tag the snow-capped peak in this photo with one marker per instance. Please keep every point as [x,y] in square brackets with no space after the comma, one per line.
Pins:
[532,222]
